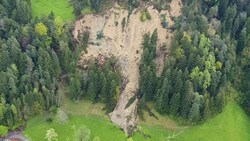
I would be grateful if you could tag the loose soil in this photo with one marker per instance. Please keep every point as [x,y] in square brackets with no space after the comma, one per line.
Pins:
[125,45]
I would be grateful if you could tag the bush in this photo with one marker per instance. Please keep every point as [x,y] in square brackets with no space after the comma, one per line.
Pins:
[49,120]
[164,23]
[99,35]
[85,39]
[116,23]
[3,130]
[123,23]
[143,17]
[51,135]
[164,46]
[53,109]
[82,134]
[148,15]
[61,117]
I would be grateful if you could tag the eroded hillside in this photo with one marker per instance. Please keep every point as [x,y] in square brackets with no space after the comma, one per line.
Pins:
[124,42]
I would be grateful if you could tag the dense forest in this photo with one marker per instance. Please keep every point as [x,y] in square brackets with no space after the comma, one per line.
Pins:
[36,56]
[209,55]
[100,82]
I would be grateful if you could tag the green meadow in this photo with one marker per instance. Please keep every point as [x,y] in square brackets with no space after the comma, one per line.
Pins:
[60,8]
[232,124]
[37,127]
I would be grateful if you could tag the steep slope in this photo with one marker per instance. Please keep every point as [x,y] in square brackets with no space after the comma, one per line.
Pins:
[125,45]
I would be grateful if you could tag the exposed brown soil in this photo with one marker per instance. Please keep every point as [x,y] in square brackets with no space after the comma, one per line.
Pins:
[126,46]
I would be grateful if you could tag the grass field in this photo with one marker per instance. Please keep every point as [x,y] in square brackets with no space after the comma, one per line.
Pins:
[37,127]
[91,115]
[230,125]
[106,131]
[83,107]
[60,8]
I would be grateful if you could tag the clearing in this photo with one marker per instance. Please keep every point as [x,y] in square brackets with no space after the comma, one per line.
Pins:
[125,44]
[60,8]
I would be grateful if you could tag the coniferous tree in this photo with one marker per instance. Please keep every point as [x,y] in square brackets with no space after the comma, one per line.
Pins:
[174,104]
[186,99]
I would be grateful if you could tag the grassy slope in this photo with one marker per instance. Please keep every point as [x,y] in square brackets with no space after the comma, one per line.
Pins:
[230,125]
[37,127]
[60,8]
[91,115]
[83,107]
[157,133]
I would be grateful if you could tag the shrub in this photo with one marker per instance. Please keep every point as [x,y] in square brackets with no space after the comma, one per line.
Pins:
[85,39]
[164,23]
[143,17]
[53,109]
[123,23]
[164,46]
[148,15]
[99,35]
[49,120]
[51,135]
[61,117]
[116,23]
[3,130]
[82,134]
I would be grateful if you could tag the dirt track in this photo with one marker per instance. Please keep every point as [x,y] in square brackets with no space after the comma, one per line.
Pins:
[126,46]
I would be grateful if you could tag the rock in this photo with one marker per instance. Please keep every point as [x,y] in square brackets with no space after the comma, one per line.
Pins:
[85,66]
[127,118]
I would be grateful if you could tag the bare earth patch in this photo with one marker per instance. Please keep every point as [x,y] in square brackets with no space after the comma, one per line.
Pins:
[126,46]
